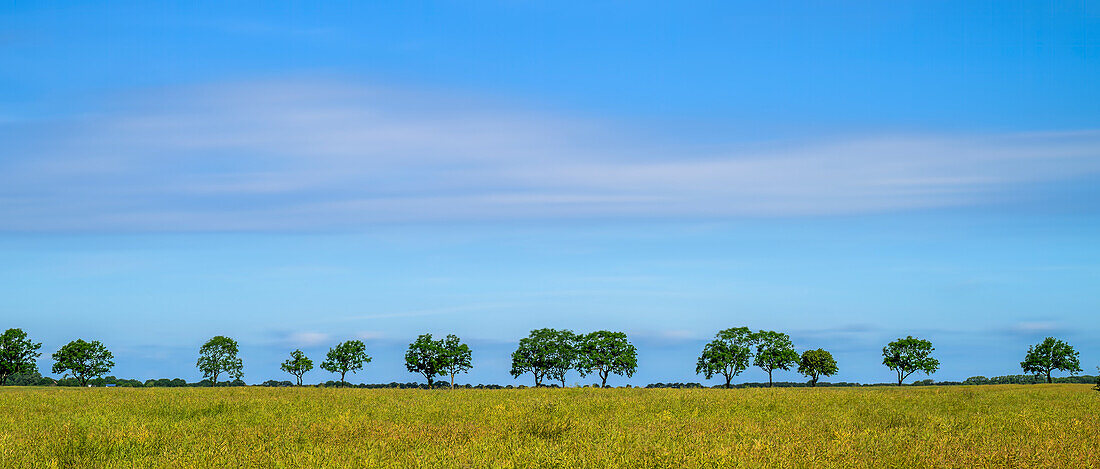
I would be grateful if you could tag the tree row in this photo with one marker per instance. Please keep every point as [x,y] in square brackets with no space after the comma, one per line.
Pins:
[545,354]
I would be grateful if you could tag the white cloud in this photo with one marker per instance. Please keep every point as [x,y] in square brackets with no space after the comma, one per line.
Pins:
[307,339]
[1036,327]
[369,335]
[329,155]
[666,337]
[427,312]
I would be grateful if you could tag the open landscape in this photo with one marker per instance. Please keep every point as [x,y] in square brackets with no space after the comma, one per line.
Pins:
[961,426]
[524,234]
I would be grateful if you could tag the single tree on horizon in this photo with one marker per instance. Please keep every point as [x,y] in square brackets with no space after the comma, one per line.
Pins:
[459,357]
[349,356]
[605,353]
[774,351]
[86,360]
[17,354]
[426,356]
[907,356]
[219,355]
[1049,355]
[728,354]
[298,365]
[817,363]
[564,357]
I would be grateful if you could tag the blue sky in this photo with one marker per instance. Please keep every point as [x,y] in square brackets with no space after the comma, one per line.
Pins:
[294,176]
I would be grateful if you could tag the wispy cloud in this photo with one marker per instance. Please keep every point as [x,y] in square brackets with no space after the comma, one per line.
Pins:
[308,339]
[1036,328]
[370,335]
[666,338]
[422,312]
[297,339]
[307,155]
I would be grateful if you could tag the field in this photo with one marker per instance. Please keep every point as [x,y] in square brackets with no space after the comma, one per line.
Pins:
[1006,425]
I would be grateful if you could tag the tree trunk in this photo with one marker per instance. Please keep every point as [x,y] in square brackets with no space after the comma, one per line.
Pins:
[603,380]
[813,382]
[1048,377]
[728,377]
[452,380]
[342,382]
[769,378]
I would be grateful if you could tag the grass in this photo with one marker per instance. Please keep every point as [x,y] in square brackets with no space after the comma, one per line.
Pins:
[958,426]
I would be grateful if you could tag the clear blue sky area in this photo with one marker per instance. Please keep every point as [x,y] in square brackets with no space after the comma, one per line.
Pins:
[295,175]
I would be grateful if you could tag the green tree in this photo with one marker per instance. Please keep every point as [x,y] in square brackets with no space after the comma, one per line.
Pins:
[17,354]
[459,357]
[728,354]
[345,357]
[817,363]
[605,353]
[426,356]
[298,364]
[30,379]
[86,360]
[907,356]
[565,358]
[1049,355]
[219,355]
[546,353]
[774,351]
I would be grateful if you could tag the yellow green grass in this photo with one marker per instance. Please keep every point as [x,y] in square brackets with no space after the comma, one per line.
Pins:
[960,426]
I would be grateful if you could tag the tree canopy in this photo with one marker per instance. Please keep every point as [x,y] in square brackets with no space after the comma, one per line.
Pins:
[297,365]
[427,357]
[219,355]
[605,353]
[545,353]
[728,354]
[459,357]
[774,351]
[349,356]
[17,354]
[1049,355]
[86,360]
[817,363]
[907,356]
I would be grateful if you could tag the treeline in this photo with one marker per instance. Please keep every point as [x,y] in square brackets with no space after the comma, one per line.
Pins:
[548,355]
[36,379]
[972,381]
[1018,379]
